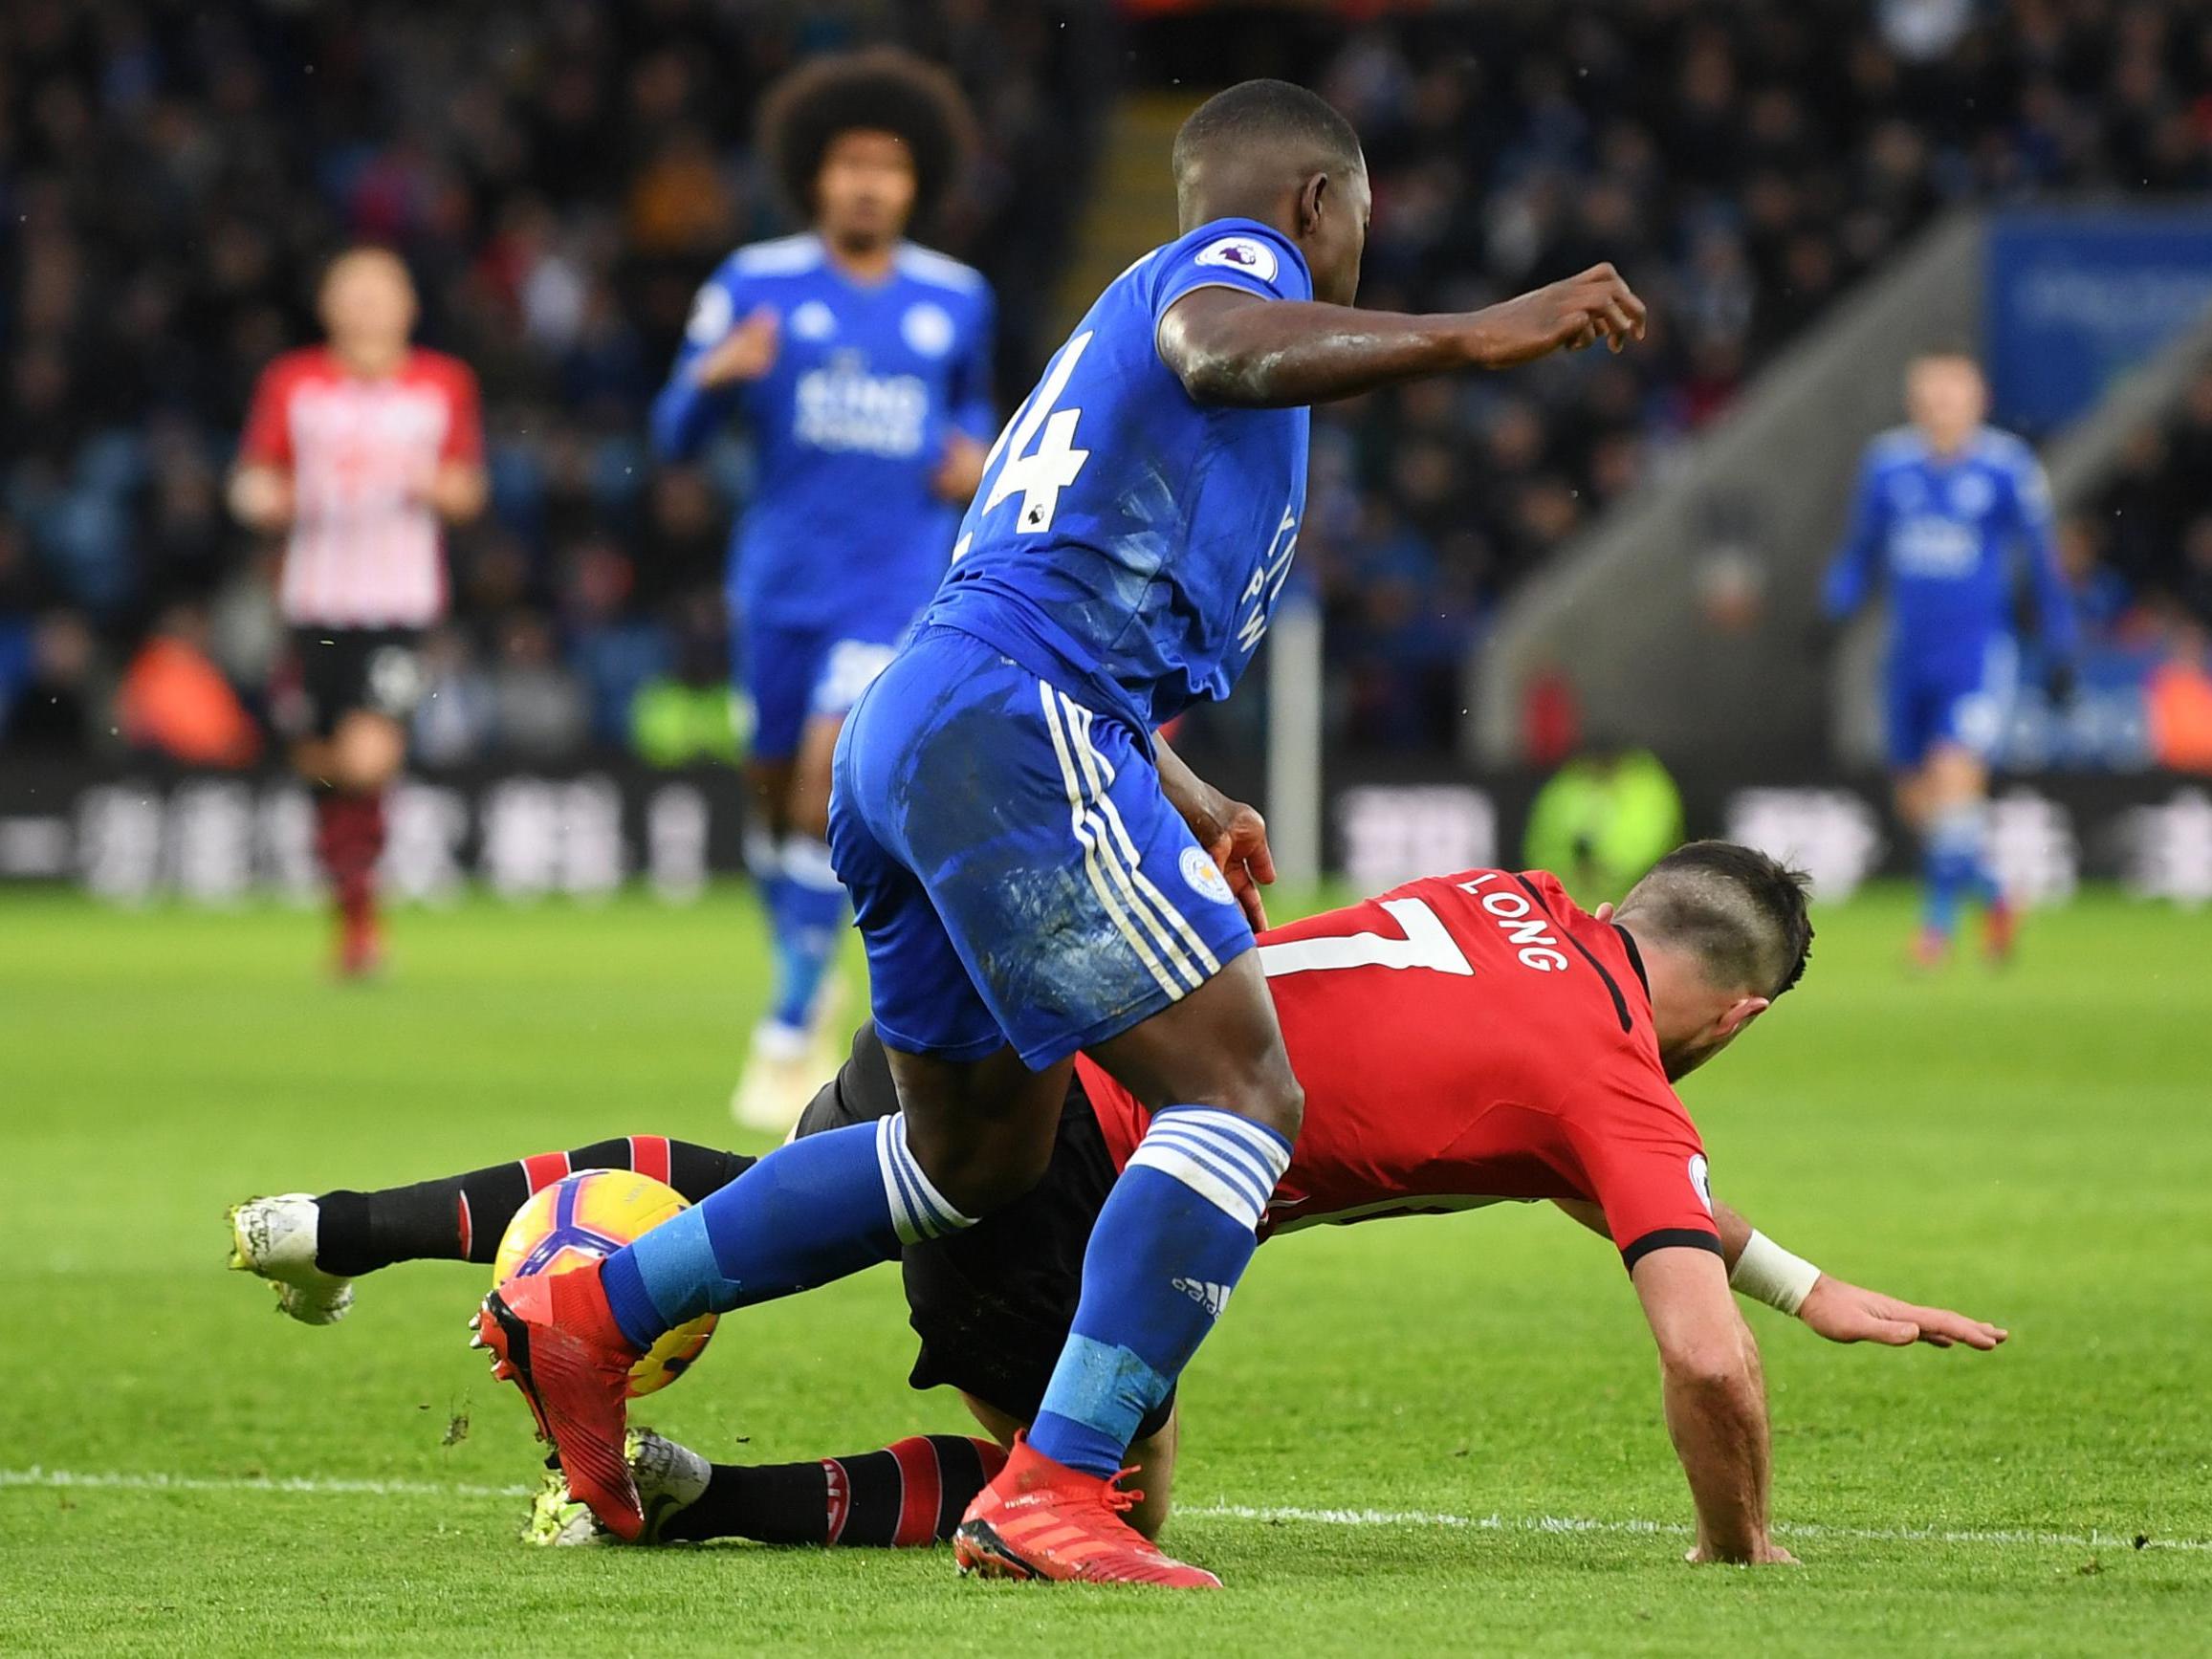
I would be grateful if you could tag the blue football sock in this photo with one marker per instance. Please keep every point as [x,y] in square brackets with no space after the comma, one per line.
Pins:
[764,863]
[810,1211]
[807,922]
[1954,864]
[1170,1245]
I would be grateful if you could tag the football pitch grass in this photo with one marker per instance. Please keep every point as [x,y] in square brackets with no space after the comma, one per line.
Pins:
[1428,1435]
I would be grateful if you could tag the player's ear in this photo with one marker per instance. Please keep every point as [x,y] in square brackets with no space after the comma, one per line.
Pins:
[1310,197]
[1741,1012]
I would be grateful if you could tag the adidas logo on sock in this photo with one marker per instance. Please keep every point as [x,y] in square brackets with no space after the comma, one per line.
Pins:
[1213,1298]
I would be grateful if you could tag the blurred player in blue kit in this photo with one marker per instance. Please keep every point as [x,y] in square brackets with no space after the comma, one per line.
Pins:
[1036,874]
[1948,510]
[861,367]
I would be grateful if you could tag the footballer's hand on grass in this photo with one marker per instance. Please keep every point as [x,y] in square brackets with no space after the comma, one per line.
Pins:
[1595,305]
[1764,1554]
[746,353]
[1847,1313]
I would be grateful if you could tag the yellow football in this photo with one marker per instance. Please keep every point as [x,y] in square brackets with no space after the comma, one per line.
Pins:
[593,1213]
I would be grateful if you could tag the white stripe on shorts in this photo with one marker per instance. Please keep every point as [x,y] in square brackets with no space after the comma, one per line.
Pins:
[1095,765]
[1098,858]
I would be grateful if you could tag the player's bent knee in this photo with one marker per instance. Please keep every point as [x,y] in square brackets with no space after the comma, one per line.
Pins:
[977,1184]
[1281,1107]
[980,1168]
[1271,1098]
[367,751]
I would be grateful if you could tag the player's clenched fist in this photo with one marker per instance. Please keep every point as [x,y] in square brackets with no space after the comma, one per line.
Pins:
[746,353]
[1597,304]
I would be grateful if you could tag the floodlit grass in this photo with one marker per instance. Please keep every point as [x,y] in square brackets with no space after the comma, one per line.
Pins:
[2035,1148]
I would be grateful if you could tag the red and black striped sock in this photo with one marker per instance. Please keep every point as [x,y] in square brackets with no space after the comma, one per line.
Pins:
[909,1494]
[461,1217]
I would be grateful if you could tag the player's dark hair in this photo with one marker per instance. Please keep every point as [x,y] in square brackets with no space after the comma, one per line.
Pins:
[1943,351]
[1269,119]
[880,90]
[1739,912]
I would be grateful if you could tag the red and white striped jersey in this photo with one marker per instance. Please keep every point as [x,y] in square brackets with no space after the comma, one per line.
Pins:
[366,551]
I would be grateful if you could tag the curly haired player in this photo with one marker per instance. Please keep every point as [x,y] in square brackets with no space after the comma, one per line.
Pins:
[1465,1039]
[860,366]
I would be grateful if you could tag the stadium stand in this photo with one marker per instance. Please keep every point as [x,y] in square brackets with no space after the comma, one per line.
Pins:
[1745,164]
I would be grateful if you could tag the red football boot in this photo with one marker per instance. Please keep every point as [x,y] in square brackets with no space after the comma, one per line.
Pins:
[1931,948]
[360,948]
[1999,931]
[555,1337]
[1042,1520]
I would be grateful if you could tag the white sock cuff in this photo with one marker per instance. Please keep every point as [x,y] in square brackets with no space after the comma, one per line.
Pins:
[1230,1162]
[806,861]
[1961,828]
[918,1209]
[763,857]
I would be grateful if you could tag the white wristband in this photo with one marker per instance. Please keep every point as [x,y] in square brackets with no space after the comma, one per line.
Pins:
[1767,1273]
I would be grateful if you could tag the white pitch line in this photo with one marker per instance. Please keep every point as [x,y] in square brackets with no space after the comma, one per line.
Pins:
[112,1480]
[1559,1524]
[115,1481]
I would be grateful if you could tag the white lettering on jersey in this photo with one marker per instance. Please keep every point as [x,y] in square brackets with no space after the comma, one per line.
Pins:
[1267,578]
[1932,546]
[1515,917]
[840,407]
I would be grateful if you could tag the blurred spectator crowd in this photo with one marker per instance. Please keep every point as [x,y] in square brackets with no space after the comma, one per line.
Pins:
[560,175]
[1742,164]
[2140,558]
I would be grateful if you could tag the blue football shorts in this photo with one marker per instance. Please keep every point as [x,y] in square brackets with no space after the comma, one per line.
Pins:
[1963,698]
[1015,871]
[794,674]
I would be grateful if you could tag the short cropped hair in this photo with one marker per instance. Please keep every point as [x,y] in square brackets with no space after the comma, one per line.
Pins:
[1946,351]
[882,90]
[1266,118]
[1739,912]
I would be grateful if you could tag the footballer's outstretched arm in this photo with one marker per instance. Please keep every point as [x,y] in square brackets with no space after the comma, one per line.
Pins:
[1844,1312]
[1837,1309]
[1231,346]
[1715,1401]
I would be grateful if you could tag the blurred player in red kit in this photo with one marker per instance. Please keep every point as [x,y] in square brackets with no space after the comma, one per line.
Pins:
[359,451]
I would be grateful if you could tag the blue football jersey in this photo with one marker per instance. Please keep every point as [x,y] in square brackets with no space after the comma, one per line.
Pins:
[1125,538]
[1945,532]
[868,384]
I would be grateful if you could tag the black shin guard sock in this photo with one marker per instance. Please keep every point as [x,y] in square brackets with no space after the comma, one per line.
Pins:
[909,1494]
[461,1217]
